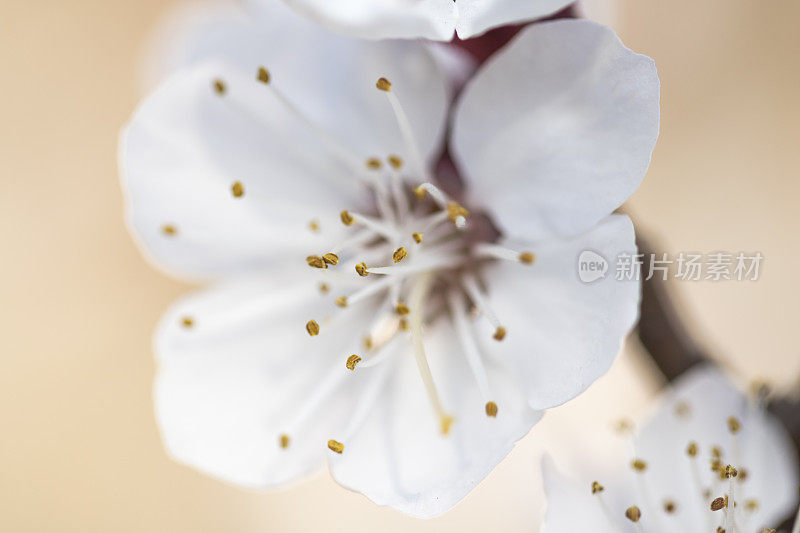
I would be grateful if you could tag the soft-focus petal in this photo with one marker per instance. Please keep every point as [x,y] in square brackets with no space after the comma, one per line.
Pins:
[557,129]
[477,16]
[571,506]
[562,333]
[186,145]
[235,379]
[697,409]
[381,19]
[399,456]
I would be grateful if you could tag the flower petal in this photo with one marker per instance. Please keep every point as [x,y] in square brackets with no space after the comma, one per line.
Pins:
[382,19]
[399,457]
[697,408]
[557,129]
[186,145]
[562,333]
[236,371]
[477,16]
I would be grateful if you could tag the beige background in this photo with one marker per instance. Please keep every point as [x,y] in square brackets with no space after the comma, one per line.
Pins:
[79,450]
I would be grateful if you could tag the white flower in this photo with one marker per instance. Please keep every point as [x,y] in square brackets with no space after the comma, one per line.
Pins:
[431,19]
[241,175]
[705,442]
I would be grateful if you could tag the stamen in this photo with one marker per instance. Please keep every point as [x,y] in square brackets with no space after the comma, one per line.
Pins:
[314,225]
[730,473]
[395,161]
[717,504]
[331,258]
[418,294]
[457,214]
[419,265]
[734,425]
[597,487]
[373,163]
[499,333]
[169,230]
[417,237]
[399,254]
[316,261]
[347,220]
[352,361]
[219,86]
[361,269]
[468,345]
[284,441]
[324,288]
[670,506]
[341,301]
[237,189]
[366,292]
[500,252]
[639,465]
[187,322]
[480,301]
[401,309]
[491,409]
[405,128]
[312,327]
[327,139]
[633,514]
[335,446]
[597,490]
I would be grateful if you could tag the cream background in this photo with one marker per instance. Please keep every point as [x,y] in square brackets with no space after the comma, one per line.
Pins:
[79,450]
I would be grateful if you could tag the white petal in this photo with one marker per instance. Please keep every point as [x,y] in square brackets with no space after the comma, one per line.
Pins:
[186,145]
[477,16]
[762,448]
[399,457]
[557,129]
[562,333]
[571,506]
[382,19]
[233,382]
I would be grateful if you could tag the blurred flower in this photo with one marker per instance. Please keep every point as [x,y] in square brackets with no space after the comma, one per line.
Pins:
[431,19]
[360,315]
[708,459]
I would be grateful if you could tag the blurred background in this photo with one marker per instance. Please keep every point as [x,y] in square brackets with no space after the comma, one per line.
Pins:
[79,448]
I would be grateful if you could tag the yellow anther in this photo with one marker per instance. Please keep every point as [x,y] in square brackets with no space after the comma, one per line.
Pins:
[312,327]
[716,452]
[730,472]
[284,441]
[399,254]
[335,446]
[373,163]
[420,192]
[403,325]
[219,86]
[743,474]
[395,161]
[623,426]
[383,84]
[368,344]
[169,230]
[716,466]
[491,409]
[362,270]
[682,409]
[597,487]
[347,218]
[417,237]
[456,210]
[314,225]
[751,505]
[692,449]
[639,465]
[187,322]
[499,333]
[352,361]
[633,513]
[324,288]
[734,425]
[445,423]
[341,301]
[527,258]
[718,503]
[237,189]
[263,75]
[316,261]
[670,506]
[331,258]
[401,309]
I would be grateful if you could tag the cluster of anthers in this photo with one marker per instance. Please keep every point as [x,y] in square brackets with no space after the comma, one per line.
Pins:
[719,488]
[416,245]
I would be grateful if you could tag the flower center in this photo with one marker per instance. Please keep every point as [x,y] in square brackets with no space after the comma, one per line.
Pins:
[416,248]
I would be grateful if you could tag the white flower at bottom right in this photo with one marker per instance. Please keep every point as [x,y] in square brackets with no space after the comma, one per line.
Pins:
[709,459]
